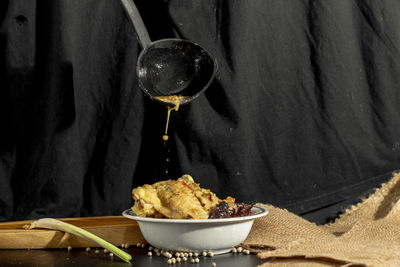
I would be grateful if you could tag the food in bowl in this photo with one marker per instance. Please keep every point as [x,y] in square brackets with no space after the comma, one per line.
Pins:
[184,199]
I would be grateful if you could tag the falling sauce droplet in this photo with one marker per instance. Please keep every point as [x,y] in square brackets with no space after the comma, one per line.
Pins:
[173,102]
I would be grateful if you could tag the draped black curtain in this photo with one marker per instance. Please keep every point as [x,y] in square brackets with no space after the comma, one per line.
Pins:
[304,112]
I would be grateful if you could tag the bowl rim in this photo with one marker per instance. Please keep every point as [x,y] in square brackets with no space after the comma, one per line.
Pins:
[256,212]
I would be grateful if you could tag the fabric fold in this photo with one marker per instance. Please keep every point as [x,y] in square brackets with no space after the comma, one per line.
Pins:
[365,235]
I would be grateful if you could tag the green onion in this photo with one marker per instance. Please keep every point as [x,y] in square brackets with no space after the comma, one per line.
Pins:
[54,224]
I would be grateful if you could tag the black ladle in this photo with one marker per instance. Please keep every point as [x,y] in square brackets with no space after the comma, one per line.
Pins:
[170,66]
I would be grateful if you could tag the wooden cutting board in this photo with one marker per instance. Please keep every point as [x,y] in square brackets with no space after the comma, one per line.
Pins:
[115,229]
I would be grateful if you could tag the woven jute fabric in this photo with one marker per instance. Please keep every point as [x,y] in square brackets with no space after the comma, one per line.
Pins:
[367,234]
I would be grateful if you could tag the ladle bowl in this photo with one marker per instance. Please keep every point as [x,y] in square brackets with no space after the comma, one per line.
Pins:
[170,67]
[175,67]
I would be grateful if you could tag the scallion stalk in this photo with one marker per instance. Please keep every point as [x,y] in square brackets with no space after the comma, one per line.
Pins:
[55,224]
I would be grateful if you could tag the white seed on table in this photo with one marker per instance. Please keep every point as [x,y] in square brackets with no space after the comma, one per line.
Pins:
[192,261]
[173,260]
[167,255]
[158,253]
[178,259]
[184,258]
[105,251]
[138,245]
[177,254]
[186,254]
[111,254]
[69,248]
[149,254]
[239,249]
[169,261]
[196,260]
[97,251]
[190,254]
[87,249]
[213,264]
[204,253]
[247,252]
[210,254]
[195,254]
[143,245]
[122,245]
[126,245]
[234,250]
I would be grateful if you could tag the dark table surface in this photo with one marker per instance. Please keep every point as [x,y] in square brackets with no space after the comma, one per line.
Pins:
[80,257]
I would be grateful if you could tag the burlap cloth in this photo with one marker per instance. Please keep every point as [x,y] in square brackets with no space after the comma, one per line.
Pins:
[367,234]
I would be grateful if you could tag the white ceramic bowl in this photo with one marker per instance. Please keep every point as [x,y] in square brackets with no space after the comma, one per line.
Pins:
[216,235]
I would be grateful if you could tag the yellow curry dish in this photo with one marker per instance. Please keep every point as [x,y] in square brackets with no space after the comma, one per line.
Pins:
[183,199]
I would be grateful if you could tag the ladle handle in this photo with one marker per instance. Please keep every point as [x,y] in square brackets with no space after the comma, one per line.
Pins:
[137,21]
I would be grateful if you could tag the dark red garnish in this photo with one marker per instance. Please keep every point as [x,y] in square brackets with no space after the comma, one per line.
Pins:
[227,210]
[243,209]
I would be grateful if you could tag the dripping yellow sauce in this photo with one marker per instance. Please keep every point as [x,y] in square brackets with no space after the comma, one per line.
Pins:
[174,102]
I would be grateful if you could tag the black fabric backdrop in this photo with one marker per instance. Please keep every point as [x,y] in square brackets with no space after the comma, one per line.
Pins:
[304,112]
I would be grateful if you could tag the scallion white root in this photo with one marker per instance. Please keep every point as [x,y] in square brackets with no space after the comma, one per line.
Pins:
[55,224]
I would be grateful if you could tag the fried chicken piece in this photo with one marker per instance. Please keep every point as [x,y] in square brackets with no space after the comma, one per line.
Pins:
[146,201]
[175,199]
